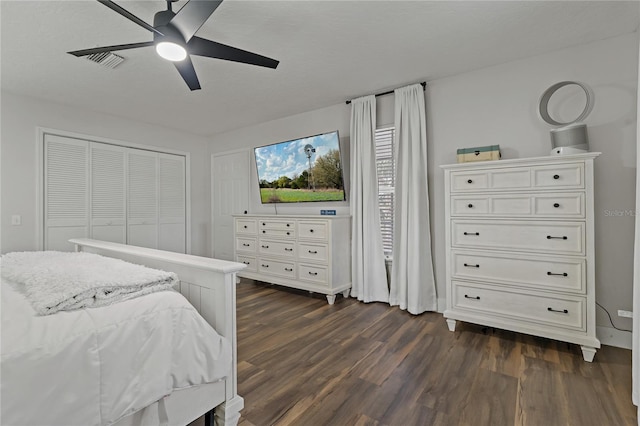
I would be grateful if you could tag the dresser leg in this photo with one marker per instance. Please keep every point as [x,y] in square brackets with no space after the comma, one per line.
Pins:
[588,353]
[346,293]
[451,324]
[331,298]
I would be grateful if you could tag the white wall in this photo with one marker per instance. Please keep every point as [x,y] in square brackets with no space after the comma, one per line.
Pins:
[498,105]
[288,128]
[20,118]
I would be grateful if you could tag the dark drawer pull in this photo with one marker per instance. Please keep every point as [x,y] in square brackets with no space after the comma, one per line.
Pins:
[246,263]
[556,177]
[288,225]
[264,224]
[470,181]
[264,246]
[564,311]
[313,251]
[556,205]
[549,237]
[313,273]
[311,230]
[466,296]
[265,266]
[471,233]
[564,274]
[264,232]
[288,233]
[468,265]
[246,245]
[288,249]
[470,206]
[288,269]
[245,227]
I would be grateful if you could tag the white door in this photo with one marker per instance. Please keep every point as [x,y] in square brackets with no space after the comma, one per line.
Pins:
[66,191]
[142,198]
[171,203]
[108,193]
[230,174]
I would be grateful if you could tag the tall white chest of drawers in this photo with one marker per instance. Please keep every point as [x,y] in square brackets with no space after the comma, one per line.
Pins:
[305,252]
[520,247]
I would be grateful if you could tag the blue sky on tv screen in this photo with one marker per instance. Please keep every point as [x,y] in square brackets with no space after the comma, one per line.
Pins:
[289,158]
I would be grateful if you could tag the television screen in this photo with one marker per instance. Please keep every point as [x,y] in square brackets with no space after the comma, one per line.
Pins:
[301,170]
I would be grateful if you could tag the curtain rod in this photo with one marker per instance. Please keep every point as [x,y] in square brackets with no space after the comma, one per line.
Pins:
[424,86]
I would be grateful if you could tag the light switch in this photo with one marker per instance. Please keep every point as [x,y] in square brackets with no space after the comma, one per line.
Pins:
[16,219]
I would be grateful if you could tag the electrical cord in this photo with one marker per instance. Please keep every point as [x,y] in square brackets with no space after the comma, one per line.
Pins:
[611,320]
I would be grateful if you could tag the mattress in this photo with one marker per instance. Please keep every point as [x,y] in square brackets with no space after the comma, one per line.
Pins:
[95,366]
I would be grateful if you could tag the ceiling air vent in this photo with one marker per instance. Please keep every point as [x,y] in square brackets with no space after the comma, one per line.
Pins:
[106,59]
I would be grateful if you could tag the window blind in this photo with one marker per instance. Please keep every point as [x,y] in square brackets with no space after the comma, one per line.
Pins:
[385,166]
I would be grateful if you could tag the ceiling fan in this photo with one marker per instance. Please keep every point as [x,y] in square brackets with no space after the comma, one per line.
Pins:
[175,40]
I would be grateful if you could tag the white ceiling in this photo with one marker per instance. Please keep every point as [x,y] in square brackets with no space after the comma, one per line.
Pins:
[329,51]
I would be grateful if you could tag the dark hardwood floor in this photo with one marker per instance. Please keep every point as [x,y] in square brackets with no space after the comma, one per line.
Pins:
[304,362]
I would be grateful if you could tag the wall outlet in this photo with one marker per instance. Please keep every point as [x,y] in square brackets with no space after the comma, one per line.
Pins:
[625,314]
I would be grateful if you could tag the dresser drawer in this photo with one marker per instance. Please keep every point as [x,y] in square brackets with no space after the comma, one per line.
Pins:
[566,311]
[559,176]
[317,252]
[250,261]
[558,205]
[491,205]
[246,244]
[317,274]
[280,233]
[502,179]
[556,274]
[313,230]
[469,181]
[543,237]
[246,226]
[276,224]
[275,267]
[277,248]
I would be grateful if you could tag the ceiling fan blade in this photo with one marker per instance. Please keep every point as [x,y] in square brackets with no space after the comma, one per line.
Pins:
[130,16]
[188,73]
[193,15]
[85,52]
[211,49]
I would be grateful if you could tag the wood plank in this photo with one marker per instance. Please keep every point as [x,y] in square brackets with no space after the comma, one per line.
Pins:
[304,362]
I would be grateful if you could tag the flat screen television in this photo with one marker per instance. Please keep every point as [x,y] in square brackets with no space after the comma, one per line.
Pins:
[301,170]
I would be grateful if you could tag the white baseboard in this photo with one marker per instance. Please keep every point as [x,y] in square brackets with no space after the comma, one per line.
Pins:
[611,337]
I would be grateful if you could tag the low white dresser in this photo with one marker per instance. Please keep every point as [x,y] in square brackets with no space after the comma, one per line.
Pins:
[520,247]
[305,252]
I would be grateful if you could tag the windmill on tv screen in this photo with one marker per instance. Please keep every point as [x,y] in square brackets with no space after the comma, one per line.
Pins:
[301,170]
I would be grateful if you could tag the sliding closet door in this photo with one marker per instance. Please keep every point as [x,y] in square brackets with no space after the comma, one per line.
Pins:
[66,191]
[142,196]
[108,193]
[171,203]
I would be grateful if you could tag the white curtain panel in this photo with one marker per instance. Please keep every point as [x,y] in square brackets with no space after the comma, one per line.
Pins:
[368,273]
[412,280]
[636,272]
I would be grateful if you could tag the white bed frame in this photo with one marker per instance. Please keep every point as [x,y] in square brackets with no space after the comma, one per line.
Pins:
[210,286]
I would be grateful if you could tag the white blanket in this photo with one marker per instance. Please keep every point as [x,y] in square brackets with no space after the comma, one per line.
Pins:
[94,366]
[56,281]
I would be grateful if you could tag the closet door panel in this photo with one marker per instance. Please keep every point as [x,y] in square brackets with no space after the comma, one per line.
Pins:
[108,193]
[142,198]
[171,203]
[66,191]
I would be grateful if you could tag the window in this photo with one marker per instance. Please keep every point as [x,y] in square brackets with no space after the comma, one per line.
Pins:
[385,166]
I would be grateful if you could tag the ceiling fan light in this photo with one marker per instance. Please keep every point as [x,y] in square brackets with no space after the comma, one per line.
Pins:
[171,51]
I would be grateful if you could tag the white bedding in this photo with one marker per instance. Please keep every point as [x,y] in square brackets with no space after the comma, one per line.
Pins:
[94,366]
